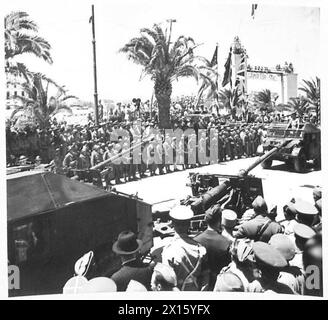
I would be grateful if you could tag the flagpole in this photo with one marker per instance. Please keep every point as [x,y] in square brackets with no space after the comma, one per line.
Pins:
[217,78]
[94,66]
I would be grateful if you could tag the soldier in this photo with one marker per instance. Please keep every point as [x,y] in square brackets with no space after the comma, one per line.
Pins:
[291,276]
[84,159]
[184,254]
[306,212]
[69,162]
[22,160]
[217,246]
[302,233]
[261,228]
[96,156]
[270,262]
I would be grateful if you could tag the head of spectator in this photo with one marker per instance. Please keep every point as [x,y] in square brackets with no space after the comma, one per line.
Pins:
[306,212]
[242,256]
[99,284]
[135,286]
[213,217]
[269,261]
[284,245]
[22,160]
[260,207]
[38,160]
[228,282]
[289,211]
[229,219]
[127,246]
[163,278]
[181,216]
[302,234]
[317,193]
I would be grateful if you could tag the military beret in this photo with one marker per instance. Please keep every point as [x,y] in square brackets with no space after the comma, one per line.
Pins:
[268,255]
[228,282]
[284,245]
[181,213]
[304,207]
[259,205]
[303,231]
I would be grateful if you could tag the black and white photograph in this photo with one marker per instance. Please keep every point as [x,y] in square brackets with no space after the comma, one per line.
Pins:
[168,146]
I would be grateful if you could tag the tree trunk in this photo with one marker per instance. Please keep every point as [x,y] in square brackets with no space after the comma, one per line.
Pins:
[163,90]
[164,103]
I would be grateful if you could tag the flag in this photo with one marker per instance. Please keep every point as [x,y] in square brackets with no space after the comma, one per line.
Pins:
[228,70]
[90,19]
[214,60]
[254,7]
[241,75]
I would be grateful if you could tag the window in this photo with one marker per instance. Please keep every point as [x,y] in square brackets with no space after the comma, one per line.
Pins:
[15,94]
[23,93]
[8,95]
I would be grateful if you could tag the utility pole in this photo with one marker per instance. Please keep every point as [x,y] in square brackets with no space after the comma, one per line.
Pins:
[94,66]
[170,21]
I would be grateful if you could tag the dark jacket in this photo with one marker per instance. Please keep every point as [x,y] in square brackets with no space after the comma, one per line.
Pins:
[134,270]
[217,248]
[252,229]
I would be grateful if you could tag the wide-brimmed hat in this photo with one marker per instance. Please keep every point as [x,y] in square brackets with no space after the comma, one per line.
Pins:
[127,243]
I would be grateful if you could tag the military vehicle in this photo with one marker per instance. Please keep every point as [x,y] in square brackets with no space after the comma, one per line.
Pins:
[53,220]
[304,145]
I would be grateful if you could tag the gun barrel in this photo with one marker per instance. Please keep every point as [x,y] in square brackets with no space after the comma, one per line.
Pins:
[210,197]
[262,158]
[122,153]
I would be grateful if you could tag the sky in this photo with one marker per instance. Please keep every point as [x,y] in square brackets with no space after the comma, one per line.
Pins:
[278,33]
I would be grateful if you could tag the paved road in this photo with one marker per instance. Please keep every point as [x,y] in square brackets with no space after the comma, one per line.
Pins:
[279,185]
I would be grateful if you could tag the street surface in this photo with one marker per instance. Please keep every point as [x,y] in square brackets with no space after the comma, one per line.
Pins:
[279,185]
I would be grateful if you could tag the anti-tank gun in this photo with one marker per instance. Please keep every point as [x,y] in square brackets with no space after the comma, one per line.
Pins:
[235,192]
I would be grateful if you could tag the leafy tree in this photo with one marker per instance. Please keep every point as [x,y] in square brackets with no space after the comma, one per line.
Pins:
[311,88]
[164,62]
[43,108]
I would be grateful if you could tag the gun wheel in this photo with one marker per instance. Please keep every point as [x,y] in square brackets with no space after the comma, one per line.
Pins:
[300,162]
[266,164]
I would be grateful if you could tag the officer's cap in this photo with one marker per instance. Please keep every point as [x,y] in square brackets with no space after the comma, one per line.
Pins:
[304,207]
[303,231]
[268,255]
[181,213]
[284,245]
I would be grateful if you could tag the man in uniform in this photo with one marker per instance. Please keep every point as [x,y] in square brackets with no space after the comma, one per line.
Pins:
[96,156]
[183,254]
[302,233]
[291,276]
[217,246]
[260,228]
[270,262]
[306,212]
[69,162]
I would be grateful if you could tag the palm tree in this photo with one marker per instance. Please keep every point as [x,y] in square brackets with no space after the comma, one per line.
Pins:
[265,100]
[37,100]
[311,88]
[21,37]
[298,105]
[229,99]
[165,62]
[209,83]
